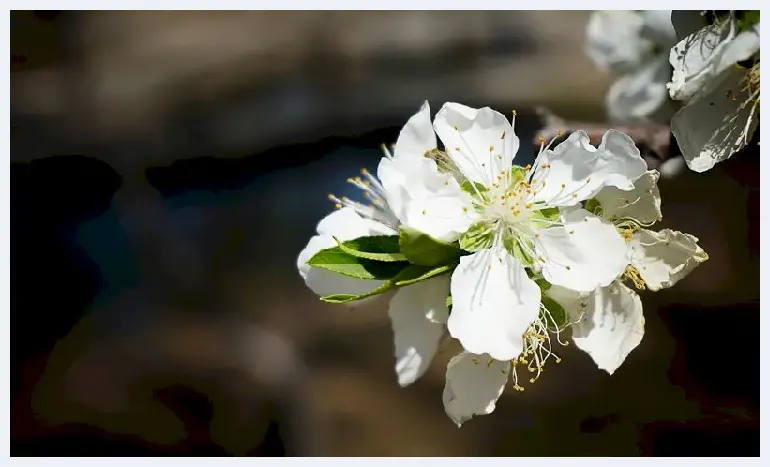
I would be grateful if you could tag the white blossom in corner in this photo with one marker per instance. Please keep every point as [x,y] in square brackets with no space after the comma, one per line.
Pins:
[716,75]
[635,46]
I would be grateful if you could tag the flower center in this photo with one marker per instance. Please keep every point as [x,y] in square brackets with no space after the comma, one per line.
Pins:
[509,202]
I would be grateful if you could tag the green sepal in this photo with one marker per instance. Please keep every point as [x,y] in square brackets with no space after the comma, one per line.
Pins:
[557,312]
[475,189]
[594,206]
[478,237]
[515,249]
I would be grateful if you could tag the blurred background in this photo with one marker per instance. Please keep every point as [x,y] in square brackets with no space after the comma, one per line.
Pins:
[167,168]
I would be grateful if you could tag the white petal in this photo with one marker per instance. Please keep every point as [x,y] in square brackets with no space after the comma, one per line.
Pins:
[574,303]
[493,304]
[611,327]
[575,170]
[345,224]
[417,136]
[588,252]
[664,258]
[416,338]
[474,383]
[658,27]
[614,40]
[714,126]
[481,142]
[640,94]
[445,215]
[642,203]
[700,58]
[425,199]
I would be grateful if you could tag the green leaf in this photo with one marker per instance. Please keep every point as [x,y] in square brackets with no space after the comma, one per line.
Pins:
[345,298]
[376,248]
[478,237]
[336,260]
[415,273]
[449,303]
[408,276]
[424,250]
[594,206]
[558,315]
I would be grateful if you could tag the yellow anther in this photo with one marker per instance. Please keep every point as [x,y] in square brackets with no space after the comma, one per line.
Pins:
[338,206]
[545,166]
[424,212]
[633,274]
[364,172]
[491,148]
[457,149]
[564,185]
[628,235]
[331,197]
[568,268]
[571,232]
[559,133]
[503,135]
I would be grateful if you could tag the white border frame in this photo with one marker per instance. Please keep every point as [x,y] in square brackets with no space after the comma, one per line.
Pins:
[332,5]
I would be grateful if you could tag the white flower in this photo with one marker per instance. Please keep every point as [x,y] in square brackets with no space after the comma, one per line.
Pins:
[418,312]
[515,219]
[609,322]
[634,45]
[721,91]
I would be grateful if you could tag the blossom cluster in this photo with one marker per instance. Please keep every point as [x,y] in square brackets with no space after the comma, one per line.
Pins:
[512,261]
[704,66]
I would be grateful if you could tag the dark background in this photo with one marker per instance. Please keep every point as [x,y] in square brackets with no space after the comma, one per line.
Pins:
[167,168]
